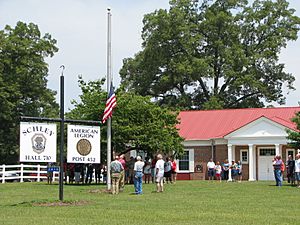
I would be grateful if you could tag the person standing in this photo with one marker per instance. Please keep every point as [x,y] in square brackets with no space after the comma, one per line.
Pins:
[159,167]
[234,171]
[89,173]
[225,168]
[297,169]
[122,174]
[138,175]
[290,167]
[97,173]
[174,170]
[218,170]
[239,171]
[147,171]
[77,172]
[277,170]
[153,170]
[49,173]
[168,170]
[130,165]
[211,169]
[115,169]
[104,173]
[71,173]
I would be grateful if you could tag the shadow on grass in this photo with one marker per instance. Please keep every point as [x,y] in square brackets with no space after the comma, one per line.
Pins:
[92,184]
[47,203]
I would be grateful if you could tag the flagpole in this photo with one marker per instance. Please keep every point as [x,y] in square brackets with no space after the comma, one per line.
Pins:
[108,80]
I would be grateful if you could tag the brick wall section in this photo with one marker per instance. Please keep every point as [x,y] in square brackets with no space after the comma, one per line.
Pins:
[203,154]
[245,167]
[221,153]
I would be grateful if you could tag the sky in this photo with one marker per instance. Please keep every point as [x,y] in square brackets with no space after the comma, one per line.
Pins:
[80,28]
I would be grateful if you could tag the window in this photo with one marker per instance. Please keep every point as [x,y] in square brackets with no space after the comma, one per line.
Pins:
[244,156]
[267,152]
[184,161]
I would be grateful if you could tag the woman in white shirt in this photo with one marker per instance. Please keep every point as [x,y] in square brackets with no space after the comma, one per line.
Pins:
[159,167]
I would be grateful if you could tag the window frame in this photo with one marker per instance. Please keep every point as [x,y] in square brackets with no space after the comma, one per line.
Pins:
[190,161]
[241,156]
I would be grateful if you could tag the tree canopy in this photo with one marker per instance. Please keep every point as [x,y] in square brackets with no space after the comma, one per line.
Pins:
[23,82]
[294,136]
[213,54]
[137,123]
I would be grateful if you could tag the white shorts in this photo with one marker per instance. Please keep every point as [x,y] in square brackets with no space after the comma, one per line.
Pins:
[159,178]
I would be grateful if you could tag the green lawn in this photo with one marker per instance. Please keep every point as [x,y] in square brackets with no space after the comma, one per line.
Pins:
[186,202]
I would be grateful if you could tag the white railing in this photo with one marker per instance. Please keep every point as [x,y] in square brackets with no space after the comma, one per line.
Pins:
[22,172]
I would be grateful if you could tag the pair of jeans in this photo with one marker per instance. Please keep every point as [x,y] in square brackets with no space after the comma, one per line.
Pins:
[138,182]
[277,174]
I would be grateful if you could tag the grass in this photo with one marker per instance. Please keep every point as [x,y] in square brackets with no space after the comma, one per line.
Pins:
[186,202]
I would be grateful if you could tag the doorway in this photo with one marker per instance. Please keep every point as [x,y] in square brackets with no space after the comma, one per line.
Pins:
[265,164]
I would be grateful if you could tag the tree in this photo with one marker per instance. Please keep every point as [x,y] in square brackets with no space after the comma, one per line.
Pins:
[294,136]
[217,54]
[137,123]
[140,124]
[23,82]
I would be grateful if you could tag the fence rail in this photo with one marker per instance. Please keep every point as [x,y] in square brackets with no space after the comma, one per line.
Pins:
[24,172]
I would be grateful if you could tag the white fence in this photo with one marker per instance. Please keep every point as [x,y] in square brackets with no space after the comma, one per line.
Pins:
[21,173]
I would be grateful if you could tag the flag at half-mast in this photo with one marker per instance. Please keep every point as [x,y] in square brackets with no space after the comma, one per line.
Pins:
[111,103]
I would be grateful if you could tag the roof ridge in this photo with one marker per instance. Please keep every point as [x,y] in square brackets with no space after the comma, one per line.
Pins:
[241,109]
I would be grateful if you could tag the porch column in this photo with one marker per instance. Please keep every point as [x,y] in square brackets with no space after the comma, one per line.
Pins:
[251,163]
[233,152]
[229,152]
[277,149]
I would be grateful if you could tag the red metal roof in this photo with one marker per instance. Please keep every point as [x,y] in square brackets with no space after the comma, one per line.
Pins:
[208,124]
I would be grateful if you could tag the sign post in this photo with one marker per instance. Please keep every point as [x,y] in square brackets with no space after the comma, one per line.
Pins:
[41,139]
[62,143]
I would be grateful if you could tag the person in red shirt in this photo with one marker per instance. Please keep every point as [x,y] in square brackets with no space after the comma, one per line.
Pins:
[173,170]
[122,174]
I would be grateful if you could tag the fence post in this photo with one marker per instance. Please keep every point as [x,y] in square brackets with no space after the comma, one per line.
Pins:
[38,173]
[22,173]
[3,173]
[53,176]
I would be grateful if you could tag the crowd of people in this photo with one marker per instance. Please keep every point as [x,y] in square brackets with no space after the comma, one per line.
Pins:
[220,171]
[159,171]
[292,170]
[136,171]
[80,173]
[132,171]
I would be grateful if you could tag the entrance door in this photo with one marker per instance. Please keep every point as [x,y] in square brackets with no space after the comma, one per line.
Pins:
[265,164]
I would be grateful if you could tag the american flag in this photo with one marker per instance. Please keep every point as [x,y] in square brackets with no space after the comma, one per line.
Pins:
[111,103]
